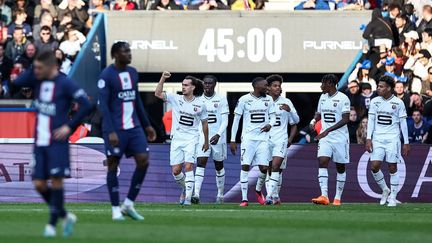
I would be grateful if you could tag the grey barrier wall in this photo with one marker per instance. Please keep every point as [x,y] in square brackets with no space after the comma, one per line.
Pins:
[235,41]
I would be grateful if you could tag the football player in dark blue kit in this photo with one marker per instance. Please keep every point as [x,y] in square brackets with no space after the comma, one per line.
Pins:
[123,121]
[54,94]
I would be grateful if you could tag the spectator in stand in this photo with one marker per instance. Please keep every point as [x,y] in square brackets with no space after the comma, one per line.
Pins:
[30,53]
[410,47]
[418,129]
[46,41]
[210,5]
[124,5]
[400,59]
[426,89]
[45,20]
[353,93]
[408,10]
[403,26]
[426,21]
[20,18]
[352,126]
[5,64]
[72,43]
[25,93]
[401,93]
[427,40]
[16,47]
[244,5]
[162,5]
[27,6]
[45,6]
[419,64]
[362,131]
[98,7]
[379,31]
[64,63]
[394,10]
[76,9]
[6,13]
[313,5]
[64,25]
[361,74]
[386,66]
[366,96]
[416,103]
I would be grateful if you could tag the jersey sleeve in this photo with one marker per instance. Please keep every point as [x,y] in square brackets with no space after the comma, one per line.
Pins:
[319,105]
[272,107]
[346,105]
[239,107]
[372,108]
[169,97]
[103,103]
[402,110]
[74,92]
[203,115]
[224,106]
[293,117]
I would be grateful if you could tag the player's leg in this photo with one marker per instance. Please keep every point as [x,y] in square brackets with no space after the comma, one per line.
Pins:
[176,162]
[40,174]
[261,157]
[325,153]
[377,156]
[113,187]
[189,182]
[393,155]
[247,153]
[267,180]
[219,154]
[341,158]
[277,200]
[199,176]
[274,180]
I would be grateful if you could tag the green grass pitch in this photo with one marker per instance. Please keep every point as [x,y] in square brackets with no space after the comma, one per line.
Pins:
[24,223]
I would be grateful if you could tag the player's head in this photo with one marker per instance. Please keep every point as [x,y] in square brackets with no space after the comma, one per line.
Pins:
[121,53]
[260,86]
[385,86]
[192,85]
[45,65]
[274,84]
[209,82]
[329,83]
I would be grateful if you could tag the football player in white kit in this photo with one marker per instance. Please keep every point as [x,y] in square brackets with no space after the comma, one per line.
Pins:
[333,111]
[279,140]
[258,113]
[188,111]
[217,109]
[387,118]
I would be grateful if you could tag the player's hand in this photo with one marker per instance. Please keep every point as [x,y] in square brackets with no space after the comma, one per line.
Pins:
[369,145]
[405,149]
[266,128]
[151,133]
[285,107]
[233,148]
[205,147]
[166,75]
[215,139]
[113,139]
[62,133]
[321,135]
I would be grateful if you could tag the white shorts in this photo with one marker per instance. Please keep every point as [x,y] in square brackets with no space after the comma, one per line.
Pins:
[218,152]
[337,151]
[182,151]
[386,150]
[254,152]
[278,149]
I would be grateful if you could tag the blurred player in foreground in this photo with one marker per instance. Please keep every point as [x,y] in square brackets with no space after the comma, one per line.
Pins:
[188,111]
[54,94]
[123,121]
[258,113]
[279,140]
[217,109]
[333,111]
[387,118]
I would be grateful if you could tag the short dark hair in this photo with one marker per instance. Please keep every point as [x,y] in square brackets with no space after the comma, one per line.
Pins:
[428,31]
[330,77]
[212,77]
[274,78]
[393,6]
[388,80]
[417,110]
[199,86]
[256,80]
[46,57]
[18,28]
[45,28]
[117,46]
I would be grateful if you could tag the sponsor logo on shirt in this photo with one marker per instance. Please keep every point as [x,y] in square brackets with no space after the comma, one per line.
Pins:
[46,108]
[127,95]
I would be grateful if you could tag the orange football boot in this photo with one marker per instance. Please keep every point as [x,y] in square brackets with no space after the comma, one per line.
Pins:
[322,200]
[337,202]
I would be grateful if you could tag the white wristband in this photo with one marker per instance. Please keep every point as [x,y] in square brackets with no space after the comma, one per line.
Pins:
[312,122]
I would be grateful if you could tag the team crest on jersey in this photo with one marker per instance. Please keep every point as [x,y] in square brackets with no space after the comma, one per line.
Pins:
[195,109]
[335,104]
[216,105]
[393,107]
[180,102]
[266,103]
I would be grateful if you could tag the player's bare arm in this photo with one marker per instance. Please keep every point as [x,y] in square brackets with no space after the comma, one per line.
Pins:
[205,129]
[341,123]
[404,128]
[62,133]
[151,133]
[233,145]
[285,107]
[316,119]
[159,88]
[292,134]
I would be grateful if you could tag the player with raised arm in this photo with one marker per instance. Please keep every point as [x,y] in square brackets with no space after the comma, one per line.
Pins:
[258,113]
[188,111]
[333,111]
[279,140]
[387,118]
[123,121]
[217,109]
[54,94]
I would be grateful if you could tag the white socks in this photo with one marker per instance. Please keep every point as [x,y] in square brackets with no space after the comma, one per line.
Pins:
[260,181]
[220,182]
[128,203]
[323,181]
[189,182]
[199,178]
[244,184]
[276,194]
[394,185]
[379,178]
[273,184]
[340,183]
[267,185]
[180,179]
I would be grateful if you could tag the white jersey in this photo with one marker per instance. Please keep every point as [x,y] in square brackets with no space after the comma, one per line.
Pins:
[216,107]
[388,114]
[279,132]
[186,116]
[331,109]
[256,114]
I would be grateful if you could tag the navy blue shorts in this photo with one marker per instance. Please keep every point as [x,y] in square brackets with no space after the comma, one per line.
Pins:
[132,141]
[51,161]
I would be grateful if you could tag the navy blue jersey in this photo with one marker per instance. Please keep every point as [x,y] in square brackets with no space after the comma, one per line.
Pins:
[119,100]
[53,100]
[416,134]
